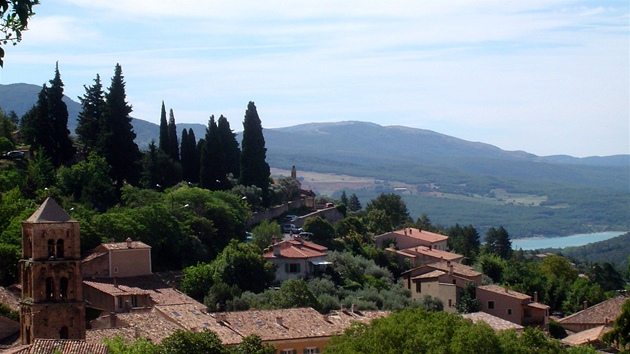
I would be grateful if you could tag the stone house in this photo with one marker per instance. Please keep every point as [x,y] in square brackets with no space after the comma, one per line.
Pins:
[513,306]
[602,314]
[443,280]
[296,258]
[118,259]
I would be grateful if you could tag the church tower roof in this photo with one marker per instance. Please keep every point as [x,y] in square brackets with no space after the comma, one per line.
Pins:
[50,211]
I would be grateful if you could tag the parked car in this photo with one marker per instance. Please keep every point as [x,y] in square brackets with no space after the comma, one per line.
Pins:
[290,229]
[16,154]
[290,217]
[306,235]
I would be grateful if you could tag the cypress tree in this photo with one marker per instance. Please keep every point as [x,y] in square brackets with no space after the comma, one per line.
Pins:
[173,145]
[117,140]
[189,156]
[254,168]
[210,169]
[185,155]
[91,116]
[231,154]
[164,142]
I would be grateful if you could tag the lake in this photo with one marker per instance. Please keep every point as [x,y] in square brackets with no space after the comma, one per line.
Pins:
[564,241]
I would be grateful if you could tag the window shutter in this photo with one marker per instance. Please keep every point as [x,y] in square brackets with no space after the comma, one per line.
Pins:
[286,267]
[298,267]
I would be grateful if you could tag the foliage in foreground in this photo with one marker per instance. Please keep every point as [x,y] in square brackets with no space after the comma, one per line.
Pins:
[419,331]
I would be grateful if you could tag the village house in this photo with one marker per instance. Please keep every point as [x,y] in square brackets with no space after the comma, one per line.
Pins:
[443,280]
[417,246]
[513,306]
[118,259]
[296,258]
[602,314]
[496,323]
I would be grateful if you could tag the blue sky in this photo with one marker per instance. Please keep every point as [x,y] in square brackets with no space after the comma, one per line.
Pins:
[544,76]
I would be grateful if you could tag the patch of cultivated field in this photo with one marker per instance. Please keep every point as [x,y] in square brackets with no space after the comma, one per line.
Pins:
[326,183]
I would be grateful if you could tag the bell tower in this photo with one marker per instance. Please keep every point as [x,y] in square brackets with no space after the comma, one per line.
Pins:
[50,272]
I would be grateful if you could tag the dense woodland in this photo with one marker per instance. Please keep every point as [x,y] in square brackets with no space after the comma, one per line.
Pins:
[190,200]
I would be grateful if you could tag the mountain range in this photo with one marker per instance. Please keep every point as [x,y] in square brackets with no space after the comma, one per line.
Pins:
[450,179]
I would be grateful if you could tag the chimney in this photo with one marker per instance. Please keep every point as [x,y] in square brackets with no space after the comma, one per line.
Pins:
[343,307]
[115,282]
[276,250]
[128,240]
[585,304]
[112,319]
[355,308]
[293,173]
[327,318]
[535,296]
[405,232]
[410,231]
[273,240]
[450,269]
[279,320]
[506,288]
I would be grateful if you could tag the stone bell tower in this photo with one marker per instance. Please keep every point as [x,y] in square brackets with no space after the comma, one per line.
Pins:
[50,272]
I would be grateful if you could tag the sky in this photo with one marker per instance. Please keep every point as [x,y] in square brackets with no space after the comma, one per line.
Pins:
[543,76]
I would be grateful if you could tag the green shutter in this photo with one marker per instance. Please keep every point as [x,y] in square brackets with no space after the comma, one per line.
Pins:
[286,267]
[298,267]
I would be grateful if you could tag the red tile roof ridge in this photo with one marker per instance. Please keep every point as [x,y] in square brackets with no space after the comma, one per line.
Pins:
[503,290]
[606,309]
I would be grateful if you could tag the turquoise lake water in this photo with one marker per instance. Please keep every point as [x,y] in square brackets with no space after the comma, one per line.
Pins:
[564,241]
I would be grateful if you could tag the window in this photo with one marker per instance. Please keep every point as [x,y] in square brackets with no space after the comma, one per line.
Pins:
[50,288]
[60,248]
[63,288]
[288,351]
[120,302]
[454,281]
[51,248]
[134,301]
[450,303]
[490,304]
[115,269]
[292,267]
[63,332]
[418,287]
[509,311]
[311,350]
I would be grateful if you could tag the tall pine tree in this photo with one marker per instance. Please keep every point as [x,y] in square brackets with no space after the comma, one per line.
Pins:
[91,116]
[254,168]
[173,145]
[164,142]
[46,125]
[117,143]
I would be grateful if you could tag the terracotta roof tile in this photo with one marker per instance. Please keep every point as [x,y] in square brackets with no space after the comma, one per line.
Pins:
[458,269]
[505,292]
[297,249]
[191,318]
[150,325]
[429,275]
[498,324]
[418,234]
[123,245]
[128,334]
[153,284]
[585,337]
[601,313]
[50,211]
[66,346]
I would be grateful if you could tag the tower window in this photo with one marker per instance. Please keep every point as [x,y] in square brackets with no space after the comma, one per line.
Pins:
[59,248]
[63,288]
[50,288]
[51,248]
[63,333]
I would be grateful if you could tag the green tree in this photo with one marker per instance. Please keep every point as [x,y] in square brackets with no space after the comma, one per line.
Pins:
[606,276]
[117,140]
[163,143]
[185,342]
[294,293]
[230,152]
[159,169]
[343,199]
[264,233]
[349,224]
[286,188]
[118,345]
[323,232]
[9,257]
[91,116]
[464,241]
[252,344]
[14,16]
[190,156]
[210,173]
[468,302]
[88,182]
[219,295]
[498,242]
[353,203]
[582,290]
[492,265]
[242,265]
[254,168]
[619,337]
[197,280]
[7,127]
[379,222]
[173,144]
[393,206]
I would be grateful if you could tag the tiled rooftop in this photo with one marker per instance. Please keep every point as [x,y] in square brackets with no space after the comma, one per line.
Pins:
[128,334]
[504,291]
[65,346]
[601,313]
[585,337]
[417,233]
[445,266]
[498,324]
[50,211]
[429,275]
[433,253]
[191,318]
[123,245]
[150,325]
[153,284]
[296,249]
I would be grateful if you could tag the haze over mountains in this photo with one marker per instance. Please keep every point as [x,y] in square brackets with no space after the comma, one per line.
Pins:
[450,179]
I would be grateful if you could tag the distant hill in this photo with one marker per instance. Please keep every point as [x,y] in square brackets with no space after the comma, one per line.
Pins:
[450,179]
[615,250]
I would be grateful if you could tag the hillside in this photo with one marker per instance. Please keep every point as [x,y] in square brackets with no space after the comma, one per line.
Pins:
[615,250]
[450,179]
